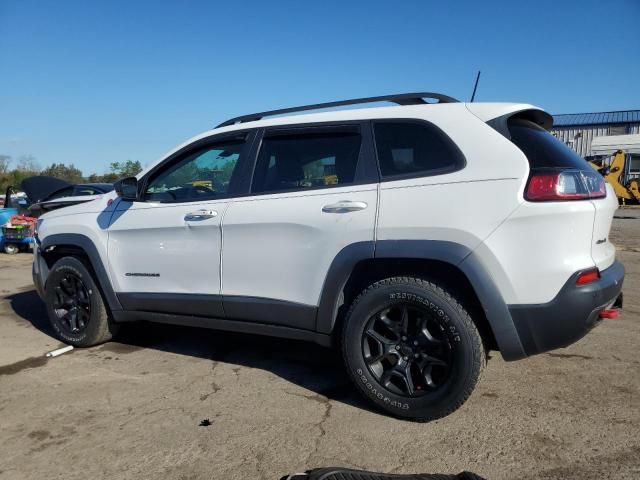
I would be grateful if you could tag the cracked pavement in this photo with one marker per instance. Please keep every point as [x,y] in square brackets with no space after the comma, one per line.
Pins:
[132,409]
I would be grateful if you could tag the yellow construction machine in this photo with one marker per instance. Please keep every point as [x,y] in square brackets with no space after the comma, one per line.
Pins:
[612,169]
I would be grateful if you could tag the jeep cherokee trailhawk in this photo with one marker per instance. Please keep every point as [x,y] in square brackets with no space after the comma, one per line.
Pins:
[415,237]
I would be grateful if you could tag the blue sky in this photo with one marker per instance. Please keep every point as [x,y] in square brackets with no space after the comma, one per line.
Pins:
[89,82]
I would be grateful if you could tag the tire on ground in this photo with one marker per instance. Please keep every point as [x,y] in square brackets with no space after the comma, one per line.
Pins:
[100,328]
[465,342]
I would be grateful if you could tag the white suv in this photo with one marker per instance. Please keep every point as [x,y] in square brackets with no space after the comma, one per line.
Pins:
[416,237]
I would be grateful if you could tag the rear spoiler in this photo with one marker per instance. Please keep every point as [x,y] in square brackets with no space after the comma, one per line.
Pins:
[497,114]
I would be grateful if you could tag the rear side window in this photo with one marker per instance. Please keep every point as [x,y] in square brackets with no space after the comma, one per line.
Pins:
[65,192]
[557,172]
[542,149]
[300,161]
[81,191]
[407,149]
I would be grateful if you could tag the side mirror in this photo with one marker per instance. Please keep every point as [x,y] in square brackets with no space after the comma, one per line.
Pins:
[127,189]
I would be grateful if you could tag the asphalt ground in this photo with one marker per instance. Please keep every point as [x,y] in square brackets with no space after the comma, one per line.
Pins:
[133,409]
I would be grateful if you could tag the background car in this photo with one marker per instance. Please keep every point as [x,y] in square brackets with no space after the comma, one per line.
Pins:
[47,193]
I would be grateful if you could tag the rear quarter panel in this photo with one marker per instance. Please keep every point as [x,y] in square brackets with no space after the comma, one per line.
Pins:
[463,206]
[602,250]
[535,251]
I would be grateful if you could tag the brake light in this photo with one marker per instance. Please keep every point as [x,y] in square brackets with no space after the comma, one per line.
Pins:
[588,276]
[545,186]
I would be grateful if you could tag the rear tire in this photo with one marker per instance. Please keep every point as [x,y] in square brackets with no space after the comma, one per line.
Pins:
[75,306]
[412,349]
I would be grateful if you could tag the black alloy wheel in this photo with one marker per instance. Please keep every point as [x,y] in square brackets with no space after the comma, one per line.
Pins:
[406,349]
[72,304]
[411,348]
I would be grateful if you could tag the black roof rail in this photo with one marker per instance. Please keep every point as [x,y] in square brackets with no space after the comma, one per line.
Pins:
[401,99]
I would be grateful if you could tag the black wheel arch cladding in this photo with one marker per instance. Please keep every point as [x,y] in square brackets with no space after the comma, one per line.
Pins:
[87,246]
[340,271]
[459,256]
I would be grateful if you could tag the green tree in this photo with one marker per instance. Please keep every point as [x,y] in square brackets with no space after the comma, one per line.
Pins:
[27,163]
[118,170]
[5,161]
[68,173]
[13,178]
[26,166]
[130,168]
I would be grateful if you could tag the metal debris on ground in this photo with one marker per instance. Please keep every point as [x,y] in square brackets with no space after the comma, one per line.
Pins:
[60,351]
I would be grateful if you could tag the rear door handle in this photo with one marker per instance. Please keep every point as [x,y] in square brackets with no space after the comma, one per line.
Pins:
[344,206]
[200,215]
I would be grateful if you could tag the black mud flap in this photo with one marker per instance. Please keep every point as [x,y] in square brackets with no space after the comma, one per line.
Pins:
[349,474]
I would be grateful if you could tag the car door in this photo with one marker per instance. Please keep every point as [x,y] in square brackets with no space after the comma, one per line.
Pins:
[313,193]
[164,252]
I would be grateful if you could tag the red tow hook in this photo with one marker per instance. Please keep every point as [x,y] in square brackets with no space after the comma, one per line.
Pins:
[609,313]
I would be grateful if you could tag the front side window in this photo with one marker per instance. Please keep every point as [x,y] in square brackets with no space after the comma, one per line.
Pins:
[415,149]
[202,175]
[299,161]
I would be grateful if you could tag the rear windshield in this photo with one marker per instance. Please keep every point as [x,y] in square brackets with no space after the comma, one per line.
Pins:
[541,148]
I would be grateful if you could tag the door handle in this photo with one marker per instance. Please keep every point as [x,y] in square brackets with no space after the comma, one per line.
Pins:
[344,206]
[200,215]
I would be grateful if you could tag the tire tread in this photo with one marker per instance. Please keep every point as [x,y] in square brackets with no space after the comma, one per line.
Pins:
[450,297]
[106,329]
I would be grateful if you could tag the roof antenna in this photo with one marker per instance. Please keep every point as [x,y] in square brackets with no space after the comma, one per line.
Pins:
[475,87]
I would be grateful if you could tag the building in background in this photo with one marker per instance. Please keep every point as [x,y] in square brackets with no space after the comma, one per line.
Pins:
[597,135]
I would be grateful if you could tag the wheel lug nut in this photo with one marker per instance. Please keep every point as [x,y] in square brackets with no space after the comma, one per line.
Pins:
[415,342]
[397,347]
[406,358]
[416,355]
[404,339]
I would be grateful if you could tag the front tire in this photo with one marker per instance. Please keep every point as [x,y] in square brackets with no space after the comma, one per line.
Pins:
[412,349]
[76,310]
[11,248]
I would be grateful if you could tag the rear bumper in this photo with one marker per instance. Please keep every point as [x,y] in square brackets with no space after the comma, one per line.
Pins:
[570,315]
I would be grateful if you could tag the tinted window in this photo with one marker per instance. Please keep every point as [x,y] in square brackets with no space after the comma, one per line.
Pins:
[79,191]
[205,174]
[413,149]
[542,149]
[307,160]
[65,192]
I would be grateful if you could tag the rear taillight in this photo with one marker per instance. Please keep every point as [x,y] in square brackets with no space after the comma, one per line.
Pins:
[554,185]
[588,276]
[595,184]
